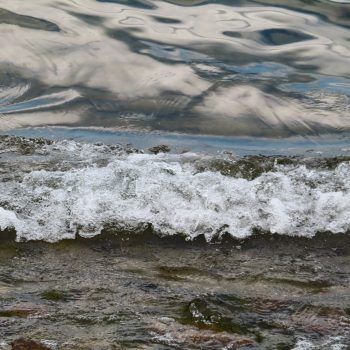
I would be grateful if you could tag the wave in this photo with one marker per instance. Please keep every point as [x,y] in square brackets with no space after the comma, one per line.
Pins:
[225,68]
[56,190]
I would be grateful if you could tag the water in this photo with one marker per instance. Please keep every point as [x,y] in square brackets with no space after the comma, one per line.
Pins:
[176,175]
[146,293]
[55,190]
[242,68]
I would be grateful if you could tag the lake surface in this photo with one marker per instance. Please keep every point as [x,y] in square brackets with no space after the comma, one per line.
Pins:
[175,174]
[228,68]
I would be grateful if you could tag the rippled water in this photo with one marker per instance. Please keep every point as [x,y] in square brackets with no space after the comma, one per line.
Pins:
[231,233]
[145,293]
[234,68]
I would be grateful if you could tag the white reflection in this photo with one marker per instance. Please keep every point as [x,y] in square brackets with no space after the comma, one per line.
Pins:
[120,53]
[250,111]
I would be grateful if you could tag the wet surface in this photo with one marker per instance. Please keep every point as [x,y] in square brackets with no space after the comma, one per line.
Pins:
[117,292]
[149,287]
[251,98]
[248,68]
[52,190]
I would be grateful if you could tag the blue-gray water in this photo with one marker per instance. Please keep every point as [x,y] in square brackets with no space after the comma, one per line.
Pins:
[233,233]
[261,69]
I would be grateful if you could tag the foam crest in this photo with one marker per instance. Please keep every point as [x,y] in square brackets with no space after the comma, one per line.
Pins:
[170,193]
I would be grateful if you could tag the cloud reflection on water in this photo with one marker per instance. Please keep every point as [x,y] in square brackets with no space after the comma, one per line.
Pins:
[208,68]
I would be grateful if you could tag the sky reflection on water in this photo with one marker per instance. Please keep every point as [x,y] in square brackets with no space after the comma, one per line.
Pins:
[242,68]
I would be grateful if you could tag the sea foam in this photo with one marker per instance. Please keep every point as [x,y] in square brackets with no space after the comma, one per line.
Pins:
[68,189]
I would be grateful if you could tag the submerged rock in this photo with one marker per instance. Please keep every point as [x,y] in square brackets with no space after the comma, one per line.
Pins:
[168,331]
[217,313]
[21,310]
[27,344]
[159,149]
[54,295]
[15,313]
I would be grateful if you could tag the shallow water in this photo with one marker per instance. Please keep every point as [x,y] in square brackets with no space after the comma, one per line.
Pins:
[172,250]
[151,293]
[234,232]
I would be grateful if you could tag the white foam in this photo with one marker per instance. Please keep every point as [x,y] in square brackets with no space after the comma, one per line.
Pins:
[169,192]
[332,343]
[7,219]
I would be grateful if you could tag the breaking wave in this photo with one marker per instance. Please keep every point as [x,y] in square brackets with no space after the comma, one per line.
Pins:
[56,190]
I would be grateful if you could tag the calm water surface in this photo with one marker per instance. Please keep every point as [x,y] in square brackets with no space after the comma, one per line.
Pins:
[231,68]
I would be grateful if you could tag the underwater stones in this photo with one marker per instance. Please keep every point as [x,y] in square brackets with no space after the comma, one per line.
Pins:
[268,322]
[159,149]
[54,295]
[168,331]
[218,313]
[15,313]
[20,311]
[311,286]
[322,319]
[27,344]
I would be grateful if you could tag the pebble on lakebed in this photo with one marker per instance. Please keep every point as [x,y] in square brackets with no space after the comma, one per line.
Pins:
[27,344]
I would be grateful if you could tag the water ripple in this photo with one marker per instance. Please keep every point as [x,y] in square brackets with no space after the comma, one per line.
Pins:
[253,68]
